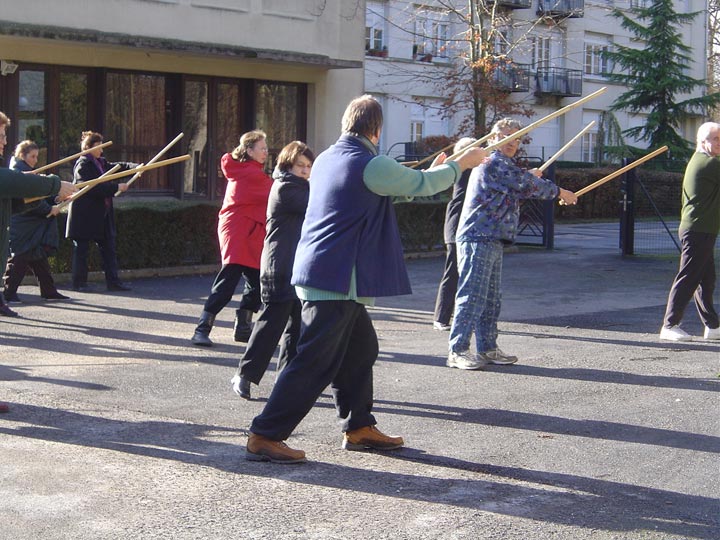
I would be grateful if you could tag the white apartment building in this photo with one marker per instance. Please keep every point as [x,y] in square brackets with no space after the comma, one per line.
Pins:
[409,47]
[141,71]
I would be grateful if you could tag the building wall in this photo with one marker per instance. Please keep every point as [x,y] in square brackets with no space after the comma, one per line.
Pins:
[315,43]
[394,77]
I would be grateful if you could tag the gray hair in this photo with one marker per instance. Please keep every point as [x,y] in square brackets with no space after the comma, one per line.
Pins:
[504,125]
[704,132]
[462,144]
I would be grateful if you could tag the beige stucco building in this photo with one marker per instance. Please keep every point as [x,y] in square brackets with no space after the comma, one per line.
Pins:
[141,71]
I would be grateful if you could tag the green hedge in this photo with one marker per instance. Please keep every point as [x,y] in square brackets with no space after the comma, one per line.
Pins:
[164,233]
[155,235]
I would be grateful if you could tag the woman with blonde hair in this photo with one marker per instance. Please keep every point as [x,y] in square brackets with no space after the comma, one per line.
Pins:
[241,231]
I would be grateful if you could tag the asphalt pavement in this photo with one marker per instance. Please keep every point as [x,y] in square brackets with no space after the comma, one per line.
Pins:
[120,429]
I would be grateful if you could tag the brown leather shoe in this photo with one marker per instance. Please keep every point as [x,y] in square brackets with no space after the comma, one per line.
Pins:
[261,448]
[370,437]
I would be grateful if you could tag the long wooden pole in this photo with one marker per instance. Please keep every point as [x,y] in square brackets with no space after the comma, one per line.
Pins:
[141,168]
[624,169]
[432,156]
[537,123]
[69,158]
[123,174]
[82,191]
[564,148]
[153,160]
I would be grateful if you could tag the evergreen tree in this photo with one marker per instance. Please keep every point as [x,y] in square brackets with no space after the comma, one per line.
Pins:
[656,75]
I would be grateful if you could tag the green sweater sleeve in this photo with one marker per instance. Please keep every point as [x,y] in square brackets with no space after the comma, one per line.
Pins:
[17,185]
[385,176]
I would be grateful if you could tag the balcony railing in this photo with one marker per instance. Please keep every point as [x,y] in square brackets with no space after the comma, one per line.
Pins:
[559,81]
[513,77]
[511,4]
[561,8]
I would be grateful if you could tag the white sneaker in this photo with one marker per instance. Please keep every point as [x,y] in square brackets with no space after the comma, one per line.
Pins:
[466,360]
[496,356]
[674,333]
[441,326]
[712,333]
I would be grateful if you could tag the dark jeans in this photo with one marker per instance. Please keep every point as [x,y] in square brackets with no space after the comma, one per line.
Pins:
[226,282]
[696,278]
[445,302]
[80,260]
[16,269]
[277,322]
[337,346]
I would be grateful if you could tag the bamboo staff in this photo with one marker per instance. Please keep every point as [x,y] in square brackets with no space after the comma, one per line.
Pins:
[153,160]
[123,174]
[69,158]
[519,133]
[564,148]
[82,191]
[617,173]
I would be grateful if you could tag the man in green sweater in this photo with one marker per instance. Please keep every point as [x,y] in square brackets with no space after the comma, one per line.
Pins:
[16,185]
[699,228]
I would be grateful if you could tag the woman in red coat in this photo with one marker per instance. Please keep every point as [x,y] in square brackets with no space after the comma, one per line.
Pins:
[241,231]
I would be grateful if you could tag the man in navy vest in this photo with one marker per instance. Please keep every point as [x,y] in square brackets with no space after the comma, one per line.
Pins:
[349,253]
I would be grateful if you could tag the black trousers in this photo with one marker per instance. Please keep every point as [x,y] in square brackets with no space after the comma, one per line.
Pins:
[16,269]
[337,346]
[81,248]
[445,302]
[696,278]
[277,322]
[226,282]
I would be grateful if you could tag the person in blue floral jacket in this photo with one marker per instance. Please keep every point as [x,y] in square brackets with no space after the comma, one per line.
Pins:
[489,220]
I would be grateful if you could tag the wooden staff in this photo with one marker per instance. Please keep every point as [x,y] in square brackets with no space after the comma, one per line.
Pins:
[141,168]
[519,133]
[69,158]
[153,160]
[564,148]
[123,174]
[431,156]
[81,192]
[617,173]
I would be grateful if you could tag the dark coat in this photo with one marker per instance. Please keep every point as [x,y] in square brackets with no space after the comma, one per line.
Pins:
[15,185]
[454,207]
[32,233]
[287,203]
[90,214]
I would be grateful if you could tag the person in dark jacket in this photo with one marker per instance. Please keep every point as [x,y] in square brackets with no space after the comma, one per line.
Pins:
[33,236]
[92,217]
[445,301]
[349,252]
[280,316]
[14,186]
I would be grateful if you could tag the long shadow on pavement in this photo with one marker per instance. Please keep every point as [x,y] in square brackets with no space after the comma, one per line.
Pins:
[542,496]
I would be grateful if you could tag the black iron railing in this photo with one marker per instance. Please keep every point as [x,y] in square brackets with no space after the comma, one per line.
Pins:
[559,81]
[561,8]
